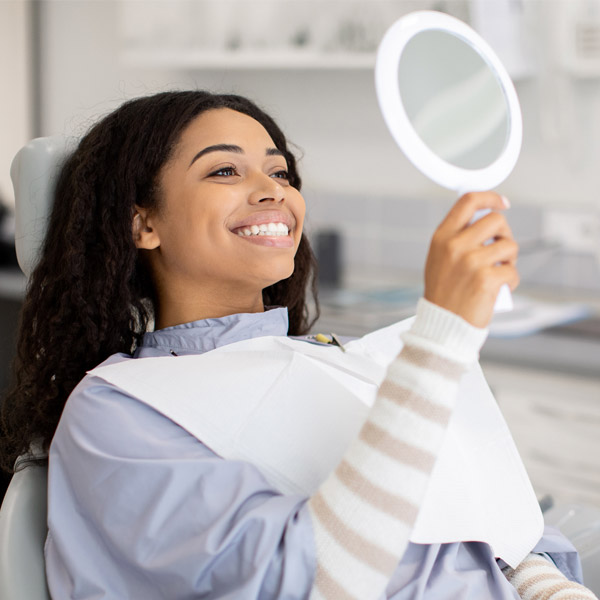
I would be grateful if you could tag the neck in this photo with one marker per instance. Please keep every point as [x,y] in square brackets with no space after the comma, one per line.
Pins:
[175,309]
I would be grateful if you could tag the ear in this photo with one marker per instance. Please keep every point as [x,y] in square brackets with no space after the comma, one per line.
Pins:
[144,235]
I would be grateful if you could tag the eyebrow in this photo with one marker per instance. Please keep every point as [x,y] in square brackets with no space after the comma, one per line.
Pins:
[231,148]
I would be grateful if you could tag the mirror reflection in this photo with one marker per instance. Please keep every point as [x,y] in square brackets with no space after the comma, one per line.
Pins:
[453,99]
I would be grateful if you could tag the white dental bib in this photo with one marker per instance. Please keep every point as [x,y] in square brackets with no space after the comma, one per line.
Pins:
[292,408]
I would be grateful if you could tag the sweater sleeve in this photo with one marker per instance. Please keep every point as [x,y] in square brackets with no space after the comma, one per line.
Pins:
[536,578]
[364,512]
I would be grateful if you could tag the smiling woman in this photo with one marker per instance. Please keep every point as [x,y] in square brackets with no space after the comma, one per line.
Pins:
[216,242]
[177,229]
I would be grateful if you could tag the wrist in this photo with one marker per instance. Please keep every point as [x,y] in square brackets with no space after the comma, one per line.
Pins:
[446,333]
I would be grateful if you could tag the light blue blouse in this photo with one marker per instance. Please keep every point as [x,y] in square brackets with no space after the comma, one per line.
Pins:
[138,508]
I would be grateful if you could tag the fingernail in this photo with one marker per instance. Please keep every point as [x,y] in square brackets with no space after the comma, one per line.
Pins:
[506,201]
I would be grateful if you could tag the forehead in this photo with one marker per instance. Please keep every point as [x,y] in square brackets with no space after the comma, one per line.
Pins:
[223,125]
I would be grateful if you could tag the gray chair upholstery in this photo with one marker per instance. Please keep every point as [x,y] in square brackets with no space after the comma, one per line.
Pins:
[23,532]
[23,515]
[33,172]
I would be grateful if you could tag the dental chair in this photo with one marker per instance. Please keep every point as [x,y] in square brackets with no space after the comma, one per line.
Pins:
[23,532]
[23,526]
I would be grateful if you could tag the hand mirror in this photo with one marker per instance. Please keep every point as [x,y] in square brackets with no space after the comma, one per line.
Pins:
[449,104]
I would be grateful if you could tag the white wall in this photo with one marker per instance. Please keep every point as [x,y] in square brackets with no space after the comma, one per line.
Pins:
[351,166]
[15,90]
[333,115]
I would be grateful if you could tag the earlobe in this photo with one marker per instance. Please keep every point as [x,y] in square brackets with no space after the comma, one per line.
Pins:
[144,236]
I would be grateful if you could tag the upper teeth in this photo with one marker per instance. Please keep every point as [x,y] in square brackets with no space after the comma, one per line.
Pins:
[264,229]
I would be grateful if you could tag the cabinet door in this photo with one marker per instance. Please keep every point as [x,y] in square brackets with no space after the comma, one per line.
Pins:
[555,421]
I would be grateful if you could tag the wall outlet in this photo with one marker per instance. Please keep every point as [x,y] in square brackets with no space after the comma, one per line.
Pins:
[574,230]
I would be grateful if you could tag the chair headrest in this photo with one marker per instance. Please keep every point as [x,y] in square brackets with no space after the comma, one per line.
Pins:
[34,171]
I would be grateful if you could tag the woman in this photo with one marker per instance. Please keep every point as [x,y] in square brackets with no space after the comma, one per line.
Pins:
[184,209]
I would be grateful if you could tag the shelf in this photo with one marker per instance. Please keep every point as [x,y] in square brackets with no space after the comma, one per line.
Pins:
[246,60]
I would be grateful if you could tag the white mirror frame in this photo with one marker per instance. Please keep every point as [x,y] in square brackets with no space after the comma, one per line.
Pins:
[388,93]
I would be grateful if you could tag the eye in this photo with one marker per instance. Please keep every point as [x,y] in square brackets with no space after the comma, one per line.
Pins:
[224,172]
[283,174]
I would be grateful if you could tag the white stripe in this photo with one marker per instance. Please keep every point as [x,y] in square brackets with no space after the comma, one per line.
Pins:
[315,594]
[352,574]
[407,426]
[364,519]
[392,476]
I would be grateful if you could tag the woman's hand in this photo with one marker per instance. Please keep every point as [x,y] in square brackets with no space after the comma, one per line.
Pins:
[463,274]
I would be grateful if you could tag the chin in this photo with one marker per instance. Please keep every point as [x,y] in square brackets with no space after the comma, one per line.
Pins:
[280,275]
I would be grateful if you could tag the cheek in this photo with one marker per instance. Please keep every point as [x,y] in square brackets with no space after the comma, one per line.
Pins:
[298,207]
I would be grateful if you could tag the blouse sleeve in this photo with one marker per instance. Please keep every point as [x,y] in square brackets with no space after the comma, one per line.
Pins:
[140,509]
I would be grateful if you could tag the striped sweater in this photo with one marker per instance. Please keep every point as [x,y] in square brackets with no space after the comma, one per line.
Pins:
[364,512]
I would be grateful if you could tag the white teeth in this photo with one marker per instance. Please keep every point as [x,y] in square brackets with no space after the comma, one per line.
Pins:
[272,229]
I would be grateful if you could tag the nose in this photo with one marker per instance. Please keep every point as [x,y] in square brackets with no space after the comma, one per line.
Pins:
[267,189]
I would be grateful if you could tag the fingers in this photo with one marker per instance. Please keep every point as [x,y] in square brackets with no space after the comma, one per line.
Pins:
[468,262]
[493,226]
[508,274]
[491,279]
[503,251]
[464,209]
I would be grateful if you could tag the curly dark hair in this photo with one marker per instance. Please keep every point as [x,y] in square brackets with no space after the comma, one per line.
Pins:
[91,295]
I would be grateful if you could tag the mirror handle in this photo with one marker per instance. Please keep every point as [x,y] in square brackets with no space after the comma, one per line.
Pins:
[504,301]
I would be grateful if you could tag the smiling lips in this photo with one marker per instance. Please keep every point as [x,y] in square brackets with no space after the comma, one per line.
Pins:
[270,228]
[273,229]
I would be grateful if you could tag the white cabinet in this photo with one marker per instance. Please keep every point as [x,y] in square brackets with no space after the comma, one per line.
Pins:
[555,422]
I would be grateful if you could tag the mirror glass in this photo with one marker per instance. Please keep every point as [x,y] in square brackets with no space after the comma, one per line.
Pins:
[453,99]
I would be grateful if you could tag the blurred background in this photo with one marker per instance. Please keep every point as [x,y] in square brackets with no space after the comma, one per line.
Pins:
[64,63]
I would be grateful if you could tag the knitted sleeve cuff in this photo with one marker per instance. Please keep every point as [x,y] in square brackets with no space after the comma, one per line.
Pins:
[441,331]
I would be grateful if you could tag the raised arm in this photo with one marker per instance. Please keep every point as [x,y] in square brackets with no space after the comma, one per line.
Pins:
[364,513]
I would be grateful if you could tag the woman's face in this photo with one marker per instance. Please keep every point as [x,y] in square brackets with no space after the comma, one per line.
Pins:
[229,222]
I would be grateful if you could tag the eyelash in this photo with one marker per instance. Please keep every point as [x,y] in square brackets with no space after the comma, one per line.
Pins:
[221,172]
[230,171]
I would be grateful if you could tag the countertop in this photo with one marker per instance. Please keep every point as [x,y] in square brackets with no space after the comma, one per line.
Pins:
[567,347]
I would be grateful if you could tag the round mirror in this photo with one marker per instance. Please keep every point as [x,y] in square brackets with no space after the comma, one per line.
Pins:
[448,101]
[458,107]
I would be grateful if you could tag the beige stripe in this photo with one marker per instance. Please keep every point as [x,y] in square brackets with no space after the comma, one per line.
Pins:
[547,593]
[414,402]
[532,561]
[395,506]
[538,578]
[532,572]
[428,360]
[367,552]
[329,587]
[387,444]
